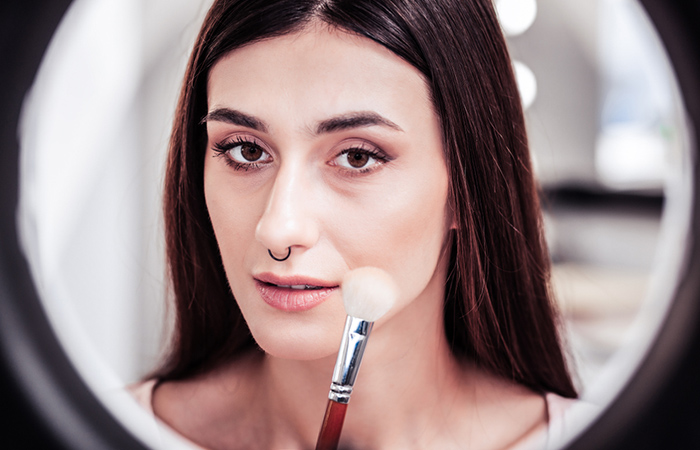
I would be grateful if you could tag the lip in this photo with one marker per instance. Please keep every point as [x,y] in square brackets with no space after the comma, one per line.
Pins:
[277,291]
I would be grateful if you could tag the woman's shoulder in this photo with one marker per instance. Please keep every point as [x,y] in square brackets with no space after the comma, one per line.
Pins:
[143,393]
[558,405]
[196,407]
[560,408]
[567,417]
[160,434]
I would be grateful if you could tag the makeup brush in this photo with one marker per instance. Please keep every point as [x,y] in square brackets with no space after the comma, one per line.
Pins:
[368,293]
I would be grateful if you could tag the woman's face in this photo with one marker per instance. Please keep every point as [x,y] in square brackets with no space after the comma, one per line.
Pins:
[325,143]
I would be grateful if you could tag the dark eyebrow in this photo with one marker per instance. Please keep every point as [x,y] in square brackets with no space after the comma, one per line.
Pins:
[235,118]
[354,120]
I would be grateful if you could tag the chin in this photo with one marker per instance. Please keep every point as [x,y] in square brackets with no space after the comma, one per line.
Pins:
[304,342]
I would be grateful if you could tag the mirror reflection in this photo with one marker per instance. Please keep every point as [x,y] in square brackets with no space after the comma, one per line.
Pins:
[606,135]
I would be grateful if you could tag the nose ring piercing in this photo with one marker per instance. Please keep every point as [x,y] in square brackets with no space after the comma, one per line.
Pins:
[289,252]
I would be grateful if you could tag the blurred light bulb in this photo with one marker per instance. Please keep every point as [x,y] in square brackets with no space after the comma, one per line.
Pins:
[527,83]
[516,16]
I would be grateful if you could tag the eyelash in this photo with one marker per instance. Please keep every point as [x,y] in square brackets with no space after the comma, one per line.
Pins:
[374,153]
[223,148]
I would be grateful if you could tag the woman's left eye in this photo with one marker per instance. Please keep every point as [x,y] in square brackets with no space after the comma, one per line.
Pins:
[359,159]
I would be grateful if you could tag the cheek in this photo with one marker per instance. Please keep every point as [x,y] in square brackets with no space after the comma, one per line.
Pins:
[233,216]
[416,246]
[402,232]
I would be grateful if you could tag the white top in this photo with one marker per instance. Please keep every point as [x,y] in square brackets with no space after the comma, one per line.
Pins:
[564,420]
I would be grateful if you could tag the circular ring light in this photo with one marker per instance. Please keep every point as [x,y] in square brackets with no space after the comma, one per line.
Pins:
[50,406]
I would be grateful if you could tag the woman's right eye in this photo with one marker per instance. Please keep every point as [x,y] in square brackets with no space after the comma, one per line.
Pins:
[242,154]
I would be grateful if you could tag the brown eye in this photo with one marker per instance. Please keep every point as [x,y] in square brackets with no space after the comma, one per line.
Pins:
[358,159]
[247,153]
[250,152]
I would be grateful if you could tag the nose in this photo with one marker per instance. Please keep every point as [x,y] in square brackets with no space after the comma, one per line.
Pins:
[288,219]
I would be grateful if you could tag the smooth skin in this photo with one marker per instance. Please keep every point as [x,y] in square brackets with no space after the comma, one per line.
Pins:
[327,143]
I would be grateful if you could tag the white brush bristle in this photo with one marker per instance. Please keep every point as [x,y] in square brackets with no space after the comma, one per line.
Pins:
[368,293]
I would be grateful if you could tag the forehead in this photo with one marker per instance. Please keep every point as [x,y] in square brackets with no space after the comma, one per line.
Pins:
[319,69]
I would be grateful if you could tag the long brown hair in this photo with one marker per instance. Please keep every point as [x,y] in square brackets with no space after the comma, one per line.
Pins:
[498,308]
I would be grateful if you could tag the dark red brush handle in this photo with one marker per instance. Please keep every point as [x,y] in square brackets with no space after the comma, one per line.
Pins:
[332,426]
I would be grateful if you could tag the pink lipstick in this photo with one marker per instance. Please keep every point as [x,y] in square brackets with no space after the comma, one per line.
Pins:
[293,293]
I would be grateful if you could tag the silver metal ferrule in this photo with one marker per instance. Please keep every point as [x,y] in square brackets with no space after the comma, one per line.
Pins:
[352,347]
